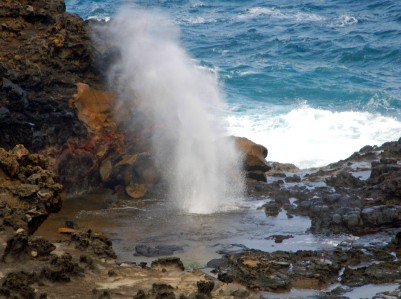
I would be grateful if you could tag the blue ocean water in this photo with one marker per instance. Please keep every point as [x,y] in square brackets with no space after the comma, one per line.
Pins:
[313,80]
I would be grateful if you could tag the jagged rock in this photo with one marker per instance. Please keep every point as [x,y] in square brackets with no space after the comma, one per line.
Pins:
[29,190]
[61,269]
[18,285]
[172,263]
[272,208]
[96,243]
[43,52]
[344,179]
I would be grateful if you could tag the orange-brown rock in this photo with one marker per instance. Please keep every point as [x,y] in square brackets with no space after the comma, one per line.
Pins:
[254,155]
[95,108]
[136,191]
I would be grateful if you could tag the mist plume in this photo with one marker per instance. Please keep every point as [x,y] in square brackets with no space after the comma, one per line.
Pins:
[185,107]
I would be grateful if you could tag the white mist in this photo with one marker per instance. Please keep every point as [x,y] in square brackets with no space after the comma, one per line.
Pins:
[184,103]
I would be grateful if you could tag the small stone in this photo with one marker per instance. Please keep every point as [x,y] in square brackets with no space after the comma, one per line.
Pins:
[45,194]
[20,151]
[34,253]
[136,191]
[20,231]
[111,273]
[66,230]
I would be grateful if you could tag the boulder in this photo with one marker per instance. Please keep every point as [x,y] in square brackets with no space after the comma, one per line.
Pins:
[254,155]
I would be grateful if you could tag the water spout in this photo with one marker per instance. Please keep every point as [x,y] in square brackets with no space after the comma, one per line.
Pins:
[185,108]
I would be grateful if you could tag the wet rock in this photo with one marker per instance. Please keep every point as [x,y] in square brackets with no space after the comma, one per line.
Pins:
[382,215]
[279,238]
[376,273]
[136,191]
[277,167]
[138,169]
[293,179]
[96,243]
[232,249]
[344,180]
[215,263]
[272,208]
[159,250]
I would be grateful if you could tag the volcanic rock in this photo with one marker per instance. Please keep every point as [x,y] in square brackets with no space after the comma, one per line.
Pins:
[43,52]
[29,190]
[255,164]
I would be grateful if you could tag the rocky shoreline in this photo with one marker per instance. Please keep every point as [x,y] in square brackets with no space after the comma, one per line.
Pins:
[60,127]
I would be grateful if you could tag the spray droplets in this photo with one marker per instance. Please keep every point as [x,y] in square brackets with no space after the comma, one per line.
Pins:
[183,103]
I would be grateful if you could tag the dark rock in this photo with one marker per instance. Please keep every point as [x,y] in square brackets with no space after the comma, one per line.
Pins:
[224,277]
[159,250]
[168,263]
[376,273]
[344,180]
[18,285]
[17,249]
[29,188]
[140,295]
[96,243]
[53,52]
[105,295]
[16,94]
[279,238]
[205,286]
[163,291]
[272,208]
[86,259]
[293,179]
[40,247]
[61,269]
[215,263]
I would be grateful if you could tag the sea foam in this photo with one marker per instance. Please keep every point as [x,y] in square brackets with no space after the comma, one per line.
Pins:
[310,137]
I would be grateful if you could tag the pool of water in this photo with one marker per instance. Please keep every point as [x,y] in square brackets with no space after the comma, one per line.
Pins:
[154,222]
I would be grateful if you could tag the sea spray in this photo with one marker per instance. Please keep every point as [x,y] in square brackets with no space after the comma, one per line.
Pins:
[184,105]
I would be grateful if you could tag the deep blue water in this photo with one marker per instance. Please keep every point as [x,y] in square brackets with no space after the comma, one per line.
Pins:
[311,80]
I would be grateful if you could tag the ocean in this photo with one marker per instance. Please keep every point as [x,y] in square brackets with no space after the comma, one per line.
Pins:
[313,81]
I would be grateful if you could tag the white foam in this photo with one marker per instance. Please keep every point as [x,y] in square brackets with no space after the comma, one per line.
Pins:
[344,20]
[280,14]
[309,137]
[99,18]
